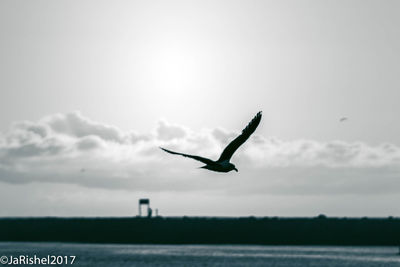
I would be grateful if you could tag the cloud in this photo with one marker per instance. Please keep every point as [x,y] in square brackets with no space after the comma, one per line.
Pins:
[167,132]
[55,149]
[329,154]
[75,125]
[89,142]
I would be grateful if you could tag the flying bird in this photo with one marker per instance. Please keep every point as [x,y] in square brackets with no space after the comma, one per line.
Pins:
[343,119]
[223,164]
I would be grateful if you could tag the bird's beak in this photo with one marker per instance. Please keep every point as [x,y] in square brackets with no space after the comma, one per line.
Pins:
[236,169]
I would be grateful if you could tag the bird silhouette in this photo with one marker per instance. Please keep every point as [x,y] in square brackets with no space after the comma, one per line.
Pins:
[223,164]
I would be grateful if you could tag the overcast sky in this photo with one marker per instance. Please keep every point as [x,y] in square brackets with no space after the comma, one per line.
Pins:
[90,89]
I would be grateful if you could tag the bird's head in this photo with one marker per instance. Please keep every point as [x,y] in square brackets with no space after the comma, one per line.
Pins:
[234,168]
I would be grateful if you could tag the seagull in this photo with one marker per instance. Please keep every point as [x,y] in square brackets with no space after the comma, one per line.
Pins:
[223,164]
[343,119]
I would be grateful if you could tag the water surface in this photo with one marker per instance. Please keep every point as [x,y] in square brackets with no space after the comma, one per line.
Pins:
[208,255]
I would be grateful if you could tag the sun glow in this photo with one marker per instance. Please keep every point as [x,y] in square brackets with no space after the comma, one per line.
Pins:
[173,66]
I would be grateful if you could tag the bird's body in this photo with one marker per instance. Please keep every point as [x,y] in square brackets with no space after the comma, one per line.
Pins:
[223,164]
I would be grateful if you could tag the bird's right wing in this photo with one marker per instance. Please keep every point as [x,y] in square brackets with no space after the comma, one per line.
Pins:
[204,160]
[238,141]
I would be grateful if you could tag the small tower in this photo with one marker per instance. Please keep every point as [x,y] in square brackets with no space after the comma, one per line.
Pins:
[144,201]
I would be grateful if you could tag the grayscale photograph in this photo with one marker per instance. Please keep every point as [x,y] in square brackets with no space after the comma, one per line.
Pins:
[200,133]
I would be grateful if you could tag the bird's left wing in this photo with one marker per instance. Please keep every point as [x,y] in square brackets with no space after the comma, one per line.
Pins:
[238,141]
[204,160]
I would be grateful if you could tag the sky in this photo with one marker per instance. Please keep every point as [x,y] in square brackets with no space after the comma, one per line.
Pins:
[90,89]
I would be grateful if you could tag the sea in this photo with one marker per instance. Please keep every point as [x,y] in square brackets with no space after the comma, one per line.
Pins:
[76,254]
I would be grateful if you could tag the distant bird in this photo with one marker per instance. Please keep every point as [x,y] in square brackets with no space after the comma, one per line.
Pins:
[223,164]
[343,119]
[82,170]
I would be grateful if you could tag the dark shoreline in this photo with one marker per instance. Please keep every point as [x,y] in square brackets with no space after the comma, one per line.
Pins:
[205,230]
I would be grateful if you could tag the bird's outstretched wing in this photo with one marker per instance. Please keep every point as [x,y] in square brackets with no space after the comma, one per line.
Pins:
[204,160]
[238,141]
